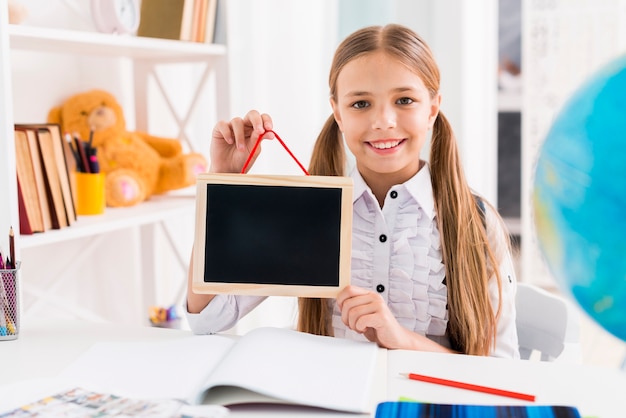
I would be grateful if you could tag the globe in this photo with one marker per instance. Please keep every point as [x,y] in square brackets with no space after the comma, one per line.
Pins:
[579,197]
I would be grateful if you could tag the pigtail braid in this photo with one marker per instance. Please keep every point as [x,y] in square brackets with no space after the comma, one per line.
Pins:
[472,324]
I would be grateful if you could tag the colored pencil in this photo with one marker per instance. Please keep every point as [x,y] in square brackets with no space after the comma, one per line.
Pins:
[469,386]
[12,249]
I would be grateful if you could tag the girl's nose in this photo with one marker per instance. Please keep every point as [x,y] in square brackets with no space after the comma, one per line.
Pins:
[384,118]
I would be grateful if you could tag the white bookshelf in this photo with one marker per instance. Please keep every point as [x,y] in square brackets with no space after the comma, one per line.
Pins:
[94,43]
[152,211]
[143,57]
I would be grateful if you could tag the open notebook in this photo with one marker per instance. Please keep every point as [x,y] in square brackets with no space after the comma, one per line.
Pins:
[265,365]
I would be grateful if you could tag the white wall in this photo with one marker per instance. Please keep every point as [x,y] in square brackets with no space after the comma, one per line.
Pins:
[467,57]
[280,53]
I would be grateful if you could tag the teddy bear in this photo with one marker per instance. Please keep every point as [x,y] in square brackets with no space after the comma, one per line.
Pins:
[136,164]
[17,12]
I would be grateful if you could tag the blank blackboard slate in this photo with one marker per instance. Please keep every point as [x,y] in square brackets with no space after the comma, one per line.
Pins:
[272,235]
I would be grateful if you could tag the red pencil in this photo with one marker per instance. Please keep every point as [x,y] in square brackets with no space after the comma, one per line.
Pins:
[11,248]
[84,162]
[469,386]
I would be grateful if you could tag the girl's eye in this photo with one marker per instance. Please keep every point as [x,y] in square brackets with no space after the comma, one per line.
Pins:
[405,100]
[361,104]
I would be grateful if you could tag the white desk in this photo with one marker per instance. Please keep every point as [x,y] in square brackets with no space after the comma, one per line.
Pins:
[42,351]
[597,392]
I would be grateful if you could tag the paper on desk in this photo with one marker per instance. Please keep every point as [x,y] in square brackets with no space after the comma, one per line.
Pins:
[79,402]
[160,370]
[23,392]
[299,368]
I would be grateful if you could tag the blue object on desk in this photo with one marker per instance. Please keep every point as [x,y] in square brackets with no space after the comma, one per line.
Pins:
[434,410]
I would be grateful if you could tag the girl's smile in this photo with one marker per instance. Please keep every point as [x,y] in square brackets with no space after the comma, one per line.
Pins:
[385,144]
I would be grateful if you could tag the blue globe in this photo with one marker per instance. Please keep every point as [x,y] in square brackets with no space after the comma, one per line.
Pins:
[579,197]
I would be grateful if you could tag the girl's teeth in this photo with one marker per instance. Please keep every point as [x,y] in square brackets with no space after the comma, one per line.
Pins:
[385,145]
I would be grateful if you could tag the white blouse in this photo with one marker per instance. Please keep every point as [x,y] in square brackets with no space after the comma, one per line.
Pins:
[396,251]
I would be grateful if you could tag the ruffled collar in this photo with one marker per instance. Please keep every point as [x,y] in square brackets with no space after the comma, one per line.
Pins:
[419,186]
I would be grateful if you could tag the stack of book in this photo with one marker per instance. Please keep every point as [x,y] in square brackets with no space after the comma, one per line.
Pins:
[184,20]
[44,183]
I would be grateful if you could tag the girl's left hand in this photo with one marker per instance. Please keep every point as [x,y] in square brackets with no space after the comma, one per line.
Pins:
[366,312]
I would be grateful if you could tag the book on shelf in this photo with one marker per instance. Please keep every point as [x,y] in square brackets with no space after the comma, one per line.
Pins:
[196,18]
[66,165]
[53,181]
[38,167]
[40,179]
[62,155]
[25,228]
[184,20]
[203,28]
[267,365]
[55,173]
[31,219]
[210,21]
[166,19]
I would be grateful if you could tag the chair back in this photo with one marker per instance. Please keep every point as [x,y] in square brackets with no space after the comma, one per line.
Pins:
[545,322]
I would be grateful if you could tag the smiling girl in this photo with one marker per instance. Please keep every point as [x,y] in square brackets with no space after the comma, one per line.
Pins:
[431,264]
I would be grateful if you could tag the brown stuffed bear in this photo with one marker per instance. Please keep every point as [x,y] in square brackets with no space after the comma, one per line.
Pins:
[136,164]
[17,12]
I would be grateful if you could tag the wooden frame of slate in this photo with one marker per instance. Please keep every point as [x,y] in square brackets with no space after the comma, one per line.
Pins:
[272,235]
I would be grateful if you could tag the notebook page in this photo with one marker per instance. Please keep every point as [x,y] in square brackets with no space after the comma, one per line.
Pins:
[301,368]
[173,369]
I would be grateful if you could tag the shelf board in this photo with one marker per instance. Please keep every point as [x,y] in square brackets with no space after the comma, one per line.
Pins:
[157,209]
[102,44]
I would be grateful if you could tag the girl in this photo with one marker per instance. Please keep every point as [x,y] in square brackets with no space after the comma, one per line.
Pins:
[431,265]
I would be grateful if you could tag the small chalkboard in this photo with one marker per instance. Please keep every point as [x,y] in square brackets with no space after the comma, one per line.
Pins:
[272,235]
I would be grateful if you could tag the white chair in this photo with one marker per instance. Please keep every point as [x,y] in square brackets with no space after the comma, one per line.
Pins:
[546,323]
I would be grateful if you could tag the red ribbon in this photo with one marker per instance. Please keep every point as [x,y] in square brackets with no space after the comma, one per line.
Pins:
[256,145]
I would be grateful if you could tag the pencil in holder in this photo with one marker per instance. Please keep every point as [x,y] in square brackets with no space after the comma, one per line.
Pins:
[9,303]
[90,196]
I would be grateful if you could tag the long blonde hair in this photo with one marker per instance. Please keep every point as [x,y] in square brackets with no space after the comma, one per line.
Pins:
[467,256]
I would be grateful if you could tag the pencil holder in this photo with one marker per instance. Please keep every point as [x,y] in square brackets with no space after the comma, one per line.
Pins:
[90,197]
[9,303]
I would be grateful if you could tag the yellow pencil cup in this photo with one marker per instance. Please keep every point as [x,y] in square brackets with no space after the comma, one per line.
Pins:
[90,197]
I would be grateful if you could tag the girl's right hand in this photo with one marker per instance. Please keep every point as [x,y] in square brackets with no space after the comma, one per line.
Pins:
[232,142]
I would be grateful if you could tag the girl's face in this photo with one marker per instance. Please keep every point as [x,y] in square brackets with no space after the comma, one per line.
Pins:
[385,112]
